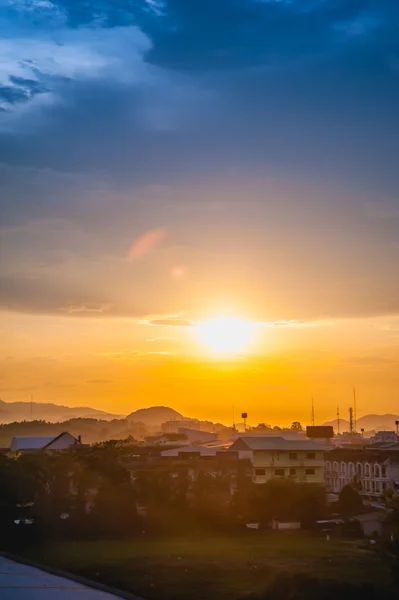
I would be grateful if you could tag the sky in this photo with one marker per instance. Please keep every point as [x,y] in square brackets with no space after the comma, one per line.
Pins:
[165,162]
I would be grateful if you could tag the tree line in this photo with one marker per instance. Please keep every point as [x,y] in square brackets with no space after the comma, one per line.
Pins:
[95,493]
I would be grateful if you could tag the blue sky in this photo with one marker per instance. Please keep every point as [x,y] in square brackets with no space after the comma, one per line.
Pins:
[223,121]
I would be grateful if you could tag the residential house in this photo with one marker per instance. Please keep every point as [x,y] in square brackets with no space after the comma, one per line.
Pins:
[276,457]
[29,444]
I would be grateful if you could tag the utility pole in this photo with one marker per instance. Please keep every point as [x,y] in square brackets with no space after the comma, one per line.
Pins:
[354,408]
[351,420]
[338,419]
[313,412]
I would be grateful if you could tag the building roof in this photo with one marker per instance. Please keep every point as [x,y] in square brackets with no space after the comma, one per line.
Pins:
[200,450]
[373,516]
[31,442]
[38,442]
[172,437]
[273,443]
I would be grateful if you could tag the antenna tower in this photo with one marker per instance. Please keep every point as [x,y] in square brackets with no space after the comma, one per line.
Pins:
[351,420]
[338,419]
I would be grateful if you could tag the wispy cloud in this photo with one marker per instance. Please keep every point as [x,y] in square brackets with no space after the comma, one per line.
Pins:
[146,242]
[88,307]
[170,322]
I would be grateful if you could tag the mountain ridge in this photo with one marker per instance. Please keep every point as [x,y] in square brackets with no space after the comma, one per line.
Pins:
[48,411]
[155,415]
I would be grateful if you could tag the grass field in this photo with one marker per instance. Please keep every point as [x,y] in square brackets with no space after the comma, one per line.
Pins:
[214,568]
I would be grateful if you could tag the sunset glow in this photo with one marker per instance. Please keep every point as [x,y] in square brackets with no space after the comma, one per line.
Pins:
[226,334]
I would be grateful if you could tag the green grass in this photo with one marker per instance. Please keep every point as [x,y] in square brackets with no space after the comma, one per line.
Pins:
[222,568]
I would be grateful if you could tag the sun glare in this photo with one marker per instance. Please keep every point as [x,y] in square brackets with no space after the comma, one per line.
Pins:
[226,334]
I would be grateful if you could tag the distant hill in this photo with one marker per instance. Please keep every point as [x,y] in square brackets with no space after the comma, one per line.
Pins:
[368,423]
[155,415]
[21,411]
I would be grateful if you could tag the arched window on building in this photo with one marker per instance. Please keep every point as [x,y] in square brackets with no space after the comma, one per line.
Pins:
[359,470]
[377,471]
[367,470]
[351,469]
[343,468]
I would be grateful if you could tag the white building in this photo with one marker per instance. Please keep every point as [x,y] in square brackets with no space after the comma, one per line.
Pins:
[276,457]
[384,436]
[374,469]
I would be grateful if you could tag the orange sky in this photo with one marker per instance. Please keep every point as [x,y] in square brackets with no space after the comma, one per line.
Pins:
[120,364]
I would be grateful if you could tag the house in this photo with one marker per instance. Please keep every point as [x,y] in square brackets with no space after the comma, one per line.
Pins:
[372,524]
[276,457]
[28,444]
[195,436]
[375,467]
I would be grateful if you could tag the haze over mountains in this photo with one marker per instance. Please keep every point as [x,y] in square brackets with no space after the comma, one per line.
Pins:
[25,411]
[152,416]
[368,423]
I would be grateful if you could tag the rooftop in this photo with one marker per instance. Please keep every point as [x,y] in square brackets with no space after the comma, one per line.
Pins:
[274,443]
[38,442]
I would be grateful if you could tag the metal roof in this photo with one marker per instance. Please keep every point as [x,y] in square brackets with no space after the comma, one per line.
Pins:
[200,450]
[31,443]
[276,443]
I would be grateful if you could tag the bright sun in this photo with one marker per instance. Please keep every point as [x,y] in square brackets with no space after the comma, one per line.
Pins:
[225,334]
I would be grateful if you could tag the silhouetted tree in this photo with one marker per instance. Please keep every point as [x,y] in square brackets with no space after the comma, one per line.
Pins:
[350,501]
[296,426]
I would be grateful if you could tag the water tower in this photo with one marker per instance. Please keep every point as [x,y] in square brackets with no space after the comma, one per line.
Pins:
[244,417]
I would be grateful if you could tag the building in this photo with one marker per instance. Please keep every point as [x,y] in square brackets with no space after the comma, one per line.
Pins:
[174,425]
[279,458]
[29,444]
[186,452]
[384,436]
[195,436]
[166,439]
[375,468]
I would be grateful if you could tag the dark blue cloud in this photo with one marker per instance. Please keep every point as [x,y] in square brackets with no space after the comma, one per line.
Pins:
[218,34]
[188,94]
